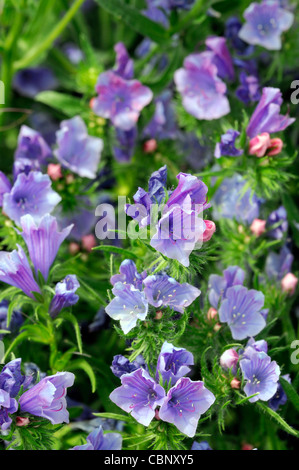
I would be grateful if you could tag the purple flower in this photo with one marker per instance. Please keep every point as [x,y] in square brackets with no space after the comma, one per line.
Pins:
[218,285]
[222,58]
[32,146]
[43,241]
[253,346]
[185,403]
[5,186]
[164,291]
[232,28]
[202,90]
[266,117]
[191,186]
[163,124]
[278,219]
[97,440]
[8,406]
[16,319]
[279,264]
[265,22]
[76,150]
[124,65]
[129,275]
[124,145]
[139,395]
[180,4]
[11,378]
[15,271]
[227,145]
[73,53]
[65,295]
[261,375]
[31,81]
[120,100]
[249,89]
[280,398]
[31,194]
[203,445]
[128,306]
[121,365]
[241,310]
[47,398]
[173,363]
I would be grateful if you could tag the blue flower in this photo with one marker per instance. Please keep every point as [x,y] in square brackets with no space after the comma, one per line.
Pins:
[218,285]
[280,398]
[97,440]
[279,264]
[65,295]
[173,363]
[227,145]
[16,319]
[121,365]
[8,406]
[31,81]
[12,379]
[278,220]
[5,186]
[129,275]
[203,445]
[124,144]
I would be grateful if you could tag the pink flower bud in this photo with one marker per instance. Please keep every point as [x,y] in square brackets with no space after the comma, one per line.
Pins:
[22,421]
[159,315]
[229,360]
[150,146]
[258,227]
[235,383]
[70,179]
[74,248]
[258,145]
[91,103]
[275,146]
[289,283]
[212,314]
[88,242]
[217,327]
[54,171]
[209,231]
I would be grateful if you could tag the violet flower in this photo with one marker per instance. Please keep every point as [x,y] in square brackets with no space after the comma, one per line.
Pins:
[163,123]
[16,319]
[203,445]
[124,65]
[222,58]
[279,398]
[226,147]
[12,379]
[129,275]
[5,186]
[97,440]
[185,403]
[65,295]
[249,89]
[124,144]
[8,406]
[277,219]
[218,285]
[31,81]
[279,264]
[32,146]
[173,363]
[121,365]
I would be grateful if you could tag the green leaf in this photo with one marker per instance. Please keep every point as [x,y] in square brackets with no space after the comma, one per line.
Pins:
[114,416]
[73,320]
[290,392]
[68,105]
[138,22]
[115,249]
[83,364]
[279,420]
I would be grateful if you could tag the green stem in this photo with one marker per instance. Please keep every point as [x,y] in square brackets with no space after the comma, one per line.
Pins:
[192,14]
[46,44]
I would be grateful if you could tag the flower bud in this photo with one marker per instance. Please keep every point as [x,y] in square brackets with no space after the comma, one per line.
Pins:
[54,171]
[258,227]
[229,360]
[289,283]
[275,146]
[258,145]
[74,248]
[209,231]
[88,242]
[22,421]
[235,383]
[150,146]
[159,315]
[212,314]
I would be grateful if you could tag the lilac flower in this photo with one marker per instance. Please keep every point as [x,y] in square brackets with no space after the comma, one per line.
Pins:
[265,22]
[16,319]
[253,346]
[31,194]
[222,58]
[232,28]
[164,291]
[11,378]
[47,398]
[120,100]
[202,90]
[227,145]
[278,219]
[124,65]
[266,117]
[191,186]
[280,398]
[249,89]
[76,150]
[185,403]
[43,241]
[229,360]
[5,186]
[163,123]
[121,365]
[261,375]
[128,306]
[31,81]
[241,310]
[139,395]
[65,295]
[173,363]
[218,285]
[124,145]
[279,264]
[15,271]
[230,201]
[8,406]
[129,275]
[98,441]
[32,146]
[203,445]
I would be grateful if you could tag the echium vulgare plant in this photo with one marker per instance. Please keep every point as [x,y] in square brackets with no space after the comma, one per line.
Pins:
[149,225]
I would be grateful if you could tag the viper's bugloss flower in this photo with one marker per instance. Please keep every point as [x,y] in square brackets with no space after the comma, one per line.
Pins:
[202,445]
[32,146]
[249,89]
[124,144]
[76,150]
[226,146]
[185,403]
[97,440]
[163,124]
[164,291]
[289,283]
[222,58]
[229,360]
[15,322]
[31,194]
[203,92]
[278,219]
[121,365]
[47,398]
[261,375]
[241,310]
[266,117]
[120,100]
[279,398]
[31,81]
[5,186]
[191,186]
[279,264]
[218,285]
[139,395]
[253,346]
[15,271]
[65,295]
[232,28]
[259,145]
[258,227]
[265,22]
[173,363]
[43,241]
[8,406]
[12,379]
[129,275]
[124,65]
[128,305]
